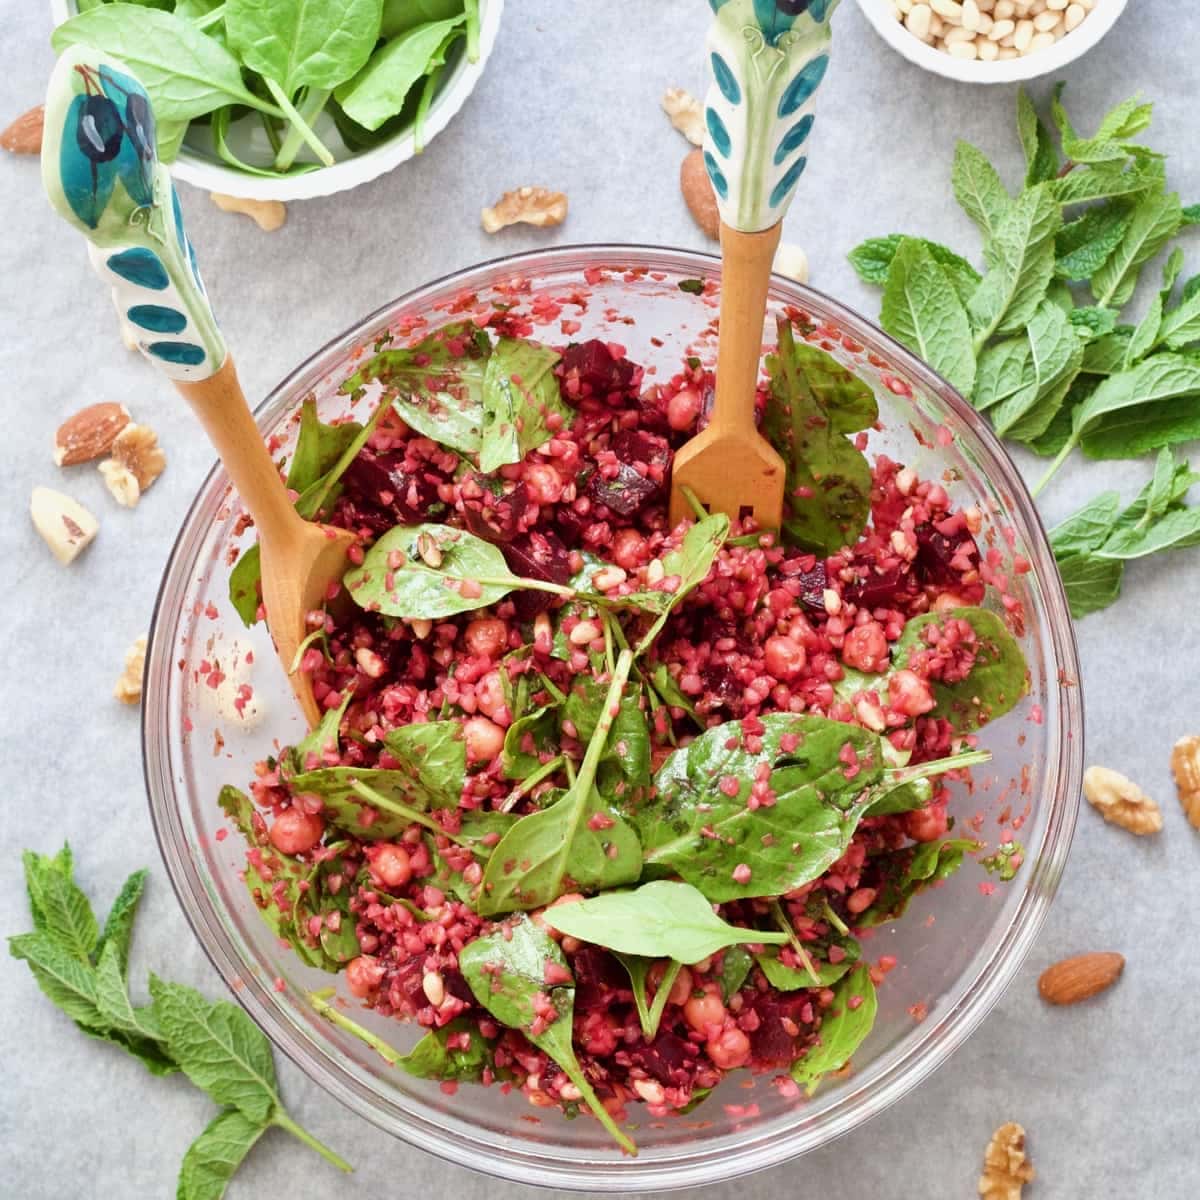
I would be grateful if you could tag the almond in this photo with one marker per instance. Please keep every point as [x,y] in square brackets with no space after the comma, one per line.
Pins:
[89,433]
[1077,978]
[24,135]
[699,196]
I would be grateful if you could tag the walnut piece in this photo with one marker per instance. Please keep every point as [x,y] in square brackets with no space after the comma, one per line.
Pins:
[128,688]
[65,525]
[531,205]
[1005,1168]
[268,215]
[1121,801]
[121,482]
[136,449]
[686,113]
[1185,766]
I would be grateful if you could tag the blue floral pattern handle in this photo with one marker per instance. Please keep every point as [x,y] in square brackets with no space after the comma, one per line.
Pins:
[101,173]
[768,58]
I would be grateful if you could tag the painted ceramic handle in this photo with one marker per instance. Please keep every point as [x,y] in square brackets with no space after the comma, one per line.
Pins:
[768,57]
[101,173]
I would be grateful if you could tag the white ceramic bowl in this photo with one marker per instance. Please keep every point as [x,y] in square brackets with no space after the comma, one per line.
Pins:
[1077,43]
[199,165]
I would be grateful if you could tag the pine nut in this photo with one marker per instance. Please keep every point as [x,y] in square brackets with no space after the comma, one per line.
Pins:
[1000,29]
[988,51]
[970,15]
[584,632]
[963,50]
[1046,21]
[434,988]
[990,30]
[1041,41]
[951,10]
[1074,14]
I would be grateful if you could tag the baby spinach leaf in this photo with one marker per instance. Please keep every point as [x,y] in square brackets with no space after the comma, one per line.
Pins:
[520,395]
[848,400]
[694,828]
[436,386]
[539,729]
[905,796]
[873,258]
[978,189]
[212,1159]
[435,755]
[672,695]
[1156,219]
[1041,158]
[922,310]
[628,747]
[505,971]
[911,870]
[735,967]
[792,979]
[1020,261]
[689,563]
[379,90]
[401,15]
[650,1013]
[415,588]
[578,842]
[318,447]
[828,488]
[843,1029]
[661,919]
[303,43]
[997,681]
[185,72]
[433,1058]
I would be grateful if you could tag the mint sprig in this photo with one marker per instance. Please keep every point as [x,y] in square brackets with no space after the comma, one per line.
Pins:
[1037,342]
[83,970]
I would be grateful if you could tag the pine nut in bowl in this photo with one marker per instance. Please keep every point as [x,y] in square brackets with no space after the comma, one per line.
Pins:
[920,983]
[992,41]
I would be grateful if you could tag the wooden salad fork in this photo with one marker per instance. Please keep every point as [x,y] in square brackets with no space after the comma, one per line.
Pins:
[768,58]
[101,173]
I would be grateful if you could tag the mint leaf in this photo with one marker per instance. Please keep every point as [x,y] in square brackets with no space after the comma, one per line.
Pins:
[212,1159]
[69,983]
[118,926]
[1181,325]
[1021,263]
[872,259]
[218,1047]
[1150,406]
[922,310]
[1004,370]
[1173,530]
[60,909]
[1107,181]
[978,189]
[1092,322]
[1145,334]
[1156,219]
[1086,530]
[1083,246]
[1041,159]
[1090,583]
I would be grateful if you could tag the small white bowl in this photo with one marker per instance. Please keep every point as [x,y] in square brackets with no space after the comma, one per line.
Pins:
[195,167]
[1076,43]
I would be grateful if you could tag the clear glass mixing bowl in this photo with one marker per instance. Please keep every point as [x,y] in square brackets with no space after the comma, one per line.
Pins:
[958,947]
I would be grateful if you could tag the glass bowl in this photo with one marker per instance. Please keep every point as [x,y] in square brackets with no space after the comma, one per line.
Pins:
[959,945]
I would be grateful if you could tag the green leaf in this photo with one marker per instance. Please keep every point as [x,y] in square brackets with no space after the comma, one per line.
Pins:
[843,1030]
[662,919]
[1083,246]
[922,310]
[1005,370]
[505,971]
[218,1048]
[1160,494]
[578,838]
[303,43]
[997,681]
[978,189]
[66,981]
[434,754]
[540,727]
[1041,159]
[873,258]
[379,90]
[520,398]
[1090,583]
[243,584]
[828,486]
[185,72]
[416,589]
[1091,322]
[401,15]
[905,796]
[694,828]
[317,743]
[1181,325]
[1145,334]
[1106,354]
[1156,219]
[436,386]
[61,910]
[36,867]
[1086,530]
[1020,262]
[1107,181]
[792,979]
[1173,530]
[318,447]
[212,1159]
[118,1011]
[649,1013]
[1128,118]
[906,872]
[118,926]
[690,563]
[735,967]
[433,1058]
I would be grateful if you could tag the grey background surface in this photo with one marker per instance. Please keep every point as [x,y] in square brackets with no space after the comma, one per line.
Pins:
[1107,1091]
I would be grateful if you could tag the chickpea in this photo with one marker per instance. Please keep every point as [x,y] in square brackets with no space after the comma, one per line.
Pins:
[866,648]
[489,695]
[927,824]
[296,832]
[486,637]
[784,658]
[390,864]
[543,483]
[683,408]
[363,975]
[729,1049]
[706,1010]
[629,549]
[484,739]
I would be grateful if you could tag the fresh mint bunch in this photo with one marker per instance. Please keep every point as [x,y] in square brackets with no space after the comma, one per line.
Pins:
[1036,341]
[83,968]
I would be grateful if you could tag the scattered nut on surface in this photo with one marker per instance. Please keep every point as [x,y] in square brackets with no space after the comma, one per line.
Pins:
[790,260]
[128,688]
[1185,766]
[268,215]
[530,205]
[65,525]
[686,113]
[1077,978]
[1005,1167]
[89,433]
[121,482]
[136,449]
[1121,801]
[24,135]
[699,196]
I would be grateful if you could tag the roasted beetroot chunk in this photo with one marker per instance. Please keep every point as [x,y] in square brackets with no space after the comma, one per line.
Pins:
[590,369]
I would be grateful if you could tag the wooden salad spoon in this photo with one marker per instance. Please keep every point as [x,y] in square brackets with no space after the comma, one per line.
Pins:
[101,173]
[767,58]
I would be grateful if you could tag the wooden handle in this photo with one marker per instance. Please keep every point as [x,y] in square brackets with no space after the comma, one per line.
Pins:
[220,404]
[746,260]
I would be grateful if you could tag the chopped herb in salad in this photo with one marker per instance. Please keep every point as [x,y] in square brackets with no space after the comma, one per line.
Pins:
[601,805]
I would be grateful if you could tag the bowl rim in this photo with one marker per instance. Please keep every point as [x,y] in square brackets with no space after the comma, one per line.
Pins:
[349,172]
[1099,21]
[928,1046]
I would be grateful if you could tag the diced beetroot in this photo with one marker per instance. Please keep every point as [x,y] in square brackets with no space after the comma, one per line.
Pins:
[882,589]
[589,369]
[934,552]
[496,518]
[536,555]
[813,582]
[771,1042]
[456,985]
[652,413]
[570,524]
[625,493]
[599,978]
[669,1058]
[720,683]
[634,446]
[380,482]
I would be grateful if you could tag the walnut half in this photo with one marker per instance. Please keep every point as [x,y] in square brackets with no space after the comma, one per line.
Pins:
[531,205]
[1185,766]
[1005,1167]
[128,688]
[1121,801]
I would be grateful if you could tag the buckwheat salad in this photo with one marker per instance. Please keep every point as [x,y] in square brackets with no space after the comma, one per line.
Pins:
[609,808]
